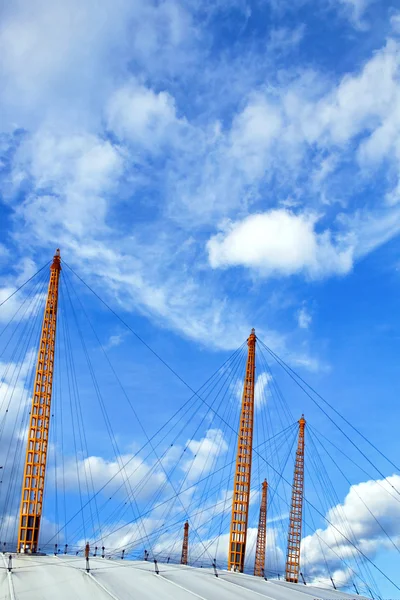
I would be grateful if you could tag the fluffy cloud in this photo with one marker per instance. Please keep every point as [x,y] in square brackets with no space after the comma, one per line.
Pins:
[127,472]
[304,318]
[261,389]
[126,165]
[205,452]
[279,242]
[354,521]
[355,9]
[141,116]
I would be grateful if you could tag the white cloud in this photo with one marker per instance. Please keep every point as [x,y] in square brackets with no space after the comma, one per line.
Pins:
[304,318]
[205,452]
[395,22]
[261,389]
[141,116]
[280,242]
[355,10]
[62,61]
[126,471]
[354,521]
[76,96]
[76,172]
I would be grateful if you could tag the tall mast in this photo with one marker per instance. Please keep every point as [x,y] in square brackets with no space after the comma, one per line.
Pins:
[185,544]
[241,486]
[38,433]
[259,562]
[296,511]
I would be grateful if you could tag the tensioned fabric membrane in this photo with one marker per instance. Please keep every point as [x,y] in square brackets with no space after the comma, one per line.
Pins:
[64,577]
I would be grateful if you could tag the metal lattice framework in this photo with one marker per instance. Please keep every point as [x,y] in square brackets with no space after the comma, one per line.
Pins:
[241,487]
[38,433]
[185,544]
[296,511]
[259,562]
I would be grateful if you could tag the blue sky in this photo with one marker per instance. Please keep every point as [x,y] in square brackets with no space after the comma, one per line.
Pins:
[210,167]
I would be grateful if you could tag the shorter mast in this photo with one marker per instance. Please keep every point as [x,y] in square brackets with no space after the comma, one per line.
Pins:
[185,544]
[259,562]
[296,511]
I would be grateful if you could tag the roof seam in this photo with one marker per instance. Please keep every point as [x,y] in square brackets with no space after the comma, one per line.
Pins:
[102,586]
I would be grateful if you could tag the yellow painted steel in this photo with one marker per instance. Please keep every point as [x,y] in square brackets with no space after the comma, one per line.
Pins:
[241,486]
[296,511]
[259,562]
[38,433]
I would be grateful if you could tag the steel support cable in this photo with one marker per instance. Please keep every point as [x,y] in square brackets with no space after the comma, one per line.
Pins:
[107,357]
[67,365]
[187,385]
[231,467]
[165,517]
[135,334]
[24,284]
[230,409]
[183,491]
[122,386]
[132,331]
[81,428]
[281,400]
[142,483]
[84,439]
[34,301]
[19,356]
[345,537]
[61,426]
[314,529]
[223,513]
[327,487]
[348,481]
[319,433]
[225,389]
[194,395]
[76,414]
[29,299]
[192,463]
[17,466]
[14,472]
[279,478]
[293,375]
[332,550]
[272,438]
[285,409]
[221,389]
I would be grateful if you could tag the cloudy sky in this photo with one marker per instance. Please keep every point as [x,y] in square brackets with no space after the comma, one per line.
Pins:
[209,167]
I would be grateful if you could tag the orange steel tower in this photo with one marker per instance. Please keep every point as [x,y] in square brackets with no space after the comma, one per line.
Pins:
[185,544]
[241,486]
[259,562]
[296,511]
[38,434]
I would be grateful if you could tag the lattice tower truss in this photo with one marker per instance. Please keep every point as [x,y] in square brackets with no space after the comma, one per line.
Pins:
[296,511]
[38,433]
[241,485]
[259,562]
[185,544]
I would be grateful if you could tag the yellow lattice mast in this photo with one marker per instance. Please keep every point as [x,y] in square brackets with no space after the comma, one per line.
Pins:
[185,544]
[38,433]
[241,486]
[259,562]
[296,511]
